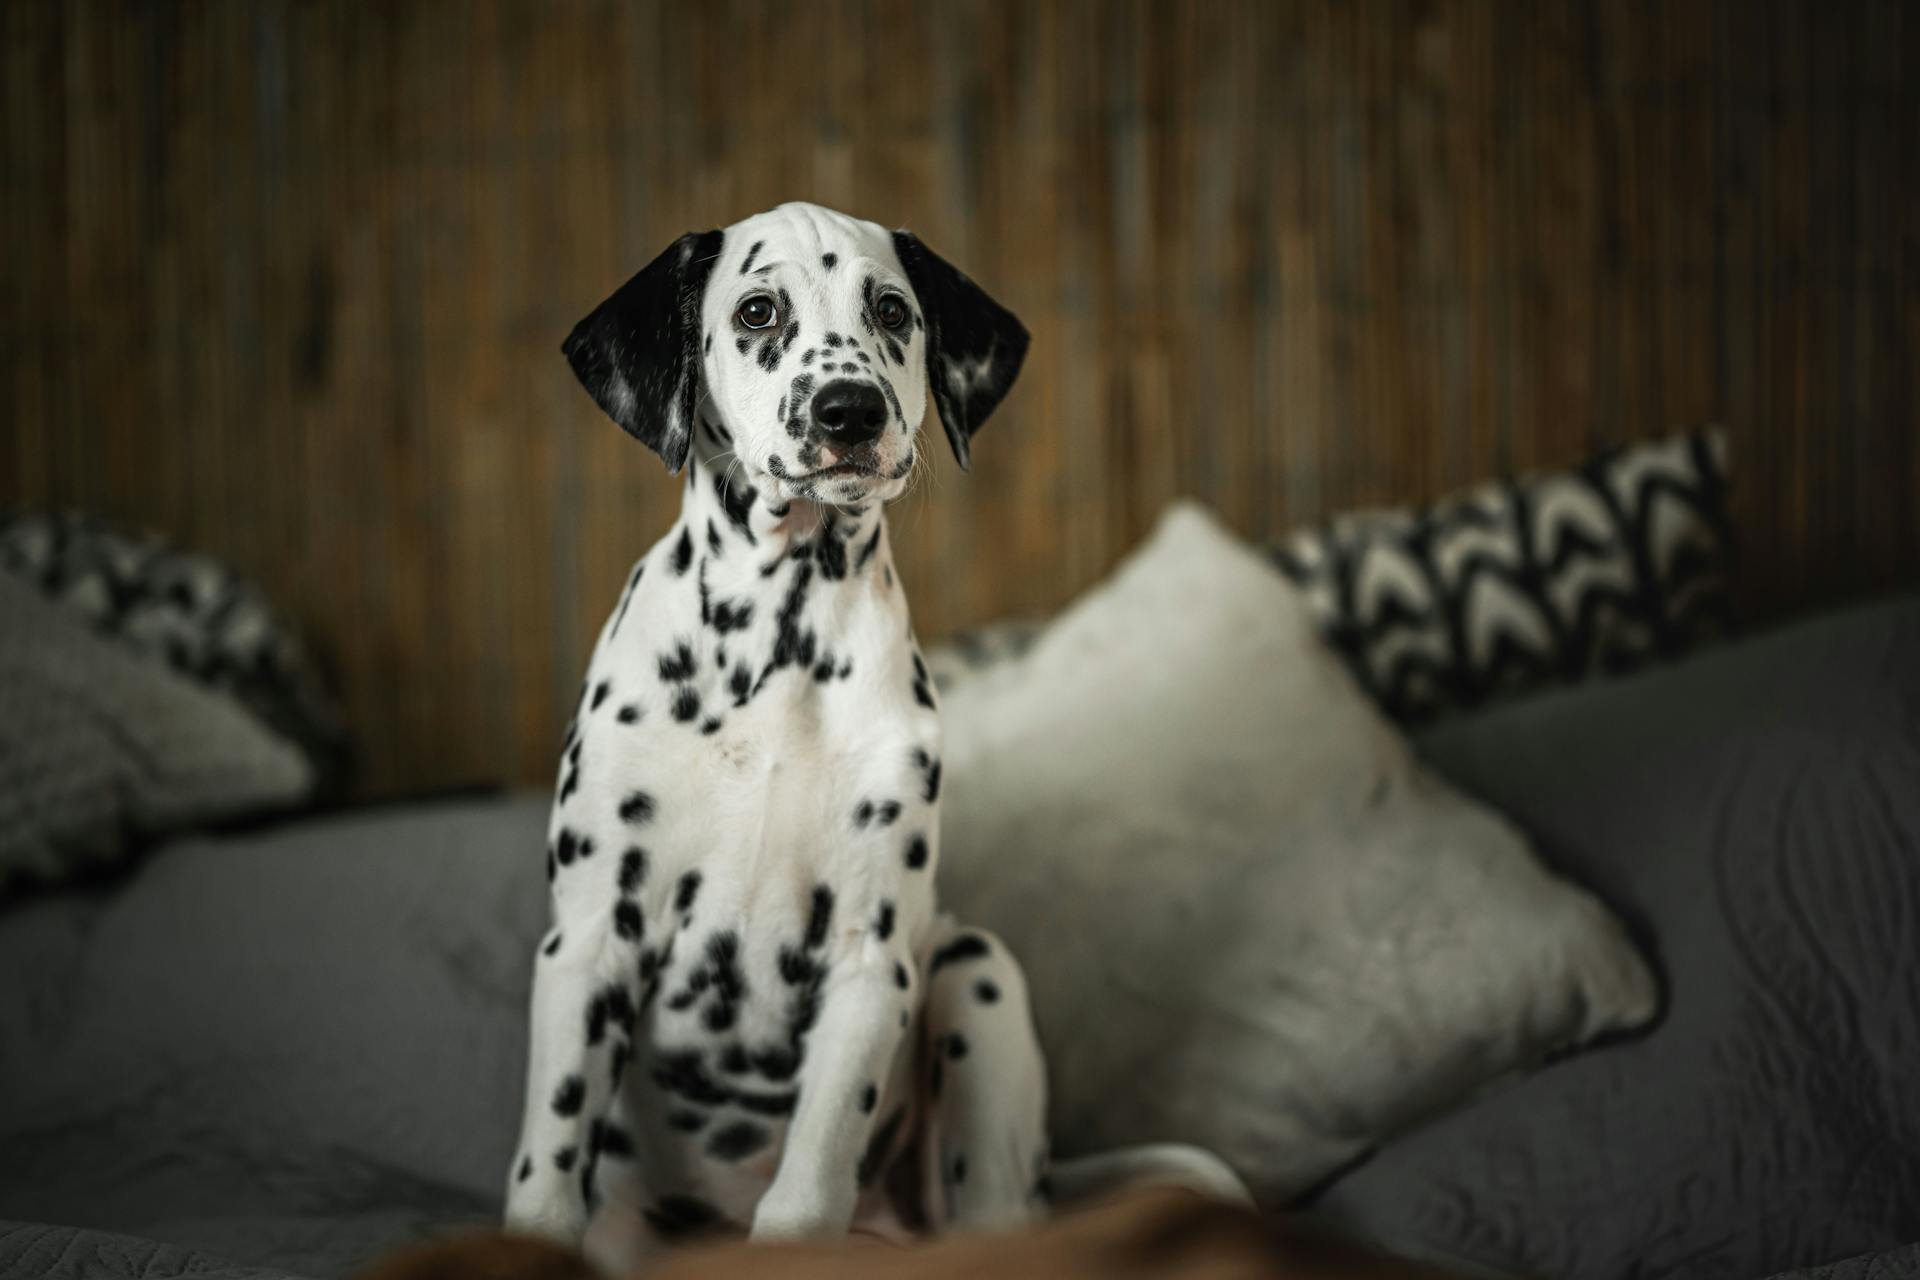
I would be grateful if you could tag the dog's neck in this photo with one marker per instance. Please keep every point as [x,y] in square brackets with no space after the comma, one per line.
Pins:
[719,496]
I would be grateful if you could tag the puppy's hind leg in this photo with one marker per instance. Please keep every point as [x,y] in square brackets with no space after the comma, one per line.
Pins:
[984,1147]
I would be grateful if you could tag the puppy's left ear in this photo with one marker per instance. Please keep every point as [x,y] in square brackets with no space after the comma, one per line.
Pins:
[638,353]
[974,345]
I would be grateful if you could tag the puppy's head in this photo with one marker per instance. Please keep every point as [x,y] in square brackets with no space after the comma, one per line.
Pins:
[811,340]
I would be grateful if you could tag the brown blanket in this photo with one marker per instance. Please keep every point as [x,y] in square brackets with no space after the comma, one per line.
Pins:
[1165,1234]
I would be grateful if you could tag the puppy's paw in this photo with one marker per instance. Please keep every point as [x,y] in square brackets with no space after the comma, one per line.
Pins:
[786,1214]
[556,1213]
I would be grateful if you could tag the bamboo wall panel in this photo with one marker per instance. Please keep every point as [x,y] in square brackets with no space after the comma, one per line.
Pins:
[286,281]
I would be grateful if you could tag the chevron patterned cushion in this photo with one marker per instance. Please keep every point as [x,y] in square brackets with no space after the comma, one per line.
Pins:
[186,610]
[1519,584]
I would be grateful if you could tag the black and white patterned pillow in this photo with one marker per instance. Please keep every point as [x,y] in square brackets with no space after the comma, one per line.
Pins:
[1519,584]
[188,610]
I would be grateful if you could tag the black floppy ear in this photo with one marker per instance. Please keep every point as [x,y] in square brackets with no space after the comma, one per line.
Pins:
[974,345]
[638,353]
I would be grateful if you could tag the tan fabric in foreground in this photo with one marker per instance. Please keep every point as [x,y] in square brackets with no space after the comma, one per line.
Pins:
[1165,1234]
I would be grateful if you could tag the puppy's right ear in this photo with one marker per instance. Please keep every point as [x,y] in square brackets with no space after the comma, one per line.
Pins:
[638,353]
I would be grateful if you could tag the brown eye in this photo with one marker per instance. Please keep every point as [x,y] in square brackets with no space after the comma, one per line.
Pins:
[757,312]
[891,311]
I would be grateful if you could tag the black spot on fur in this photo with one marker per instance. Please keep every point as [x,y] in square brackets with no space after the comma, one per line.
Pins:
[683,553]
[869,1098]
[683,1074]
[526,1169]
[563,1158]
[729,984]
[828,259]
[686,704]
[777,1064]
[766,1104]
[678,665]
[796,968]
[752,253]
[626,921]
[916,853]
[688,889]
[713,539]
[819,917]
[553,945]
[986,992]
[633,868]
[832,554]
[629,714]
[968,946]
[566,846]
[570,1096]
[956,1046]
[738,1141]
[900,978]
[922,686]
[600,692]
[887,813]
[863,814]
[637,808]
[611,1139]
[686,1121]
[883,926]
[866,552]
[732,615]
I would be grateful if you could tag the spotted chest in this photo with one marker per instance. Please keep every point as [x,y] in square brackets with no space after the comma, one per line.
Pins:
[747,804]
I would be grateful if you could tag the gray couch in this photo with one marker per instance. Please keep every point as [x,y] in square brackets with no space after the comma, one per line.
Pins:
[278,1053]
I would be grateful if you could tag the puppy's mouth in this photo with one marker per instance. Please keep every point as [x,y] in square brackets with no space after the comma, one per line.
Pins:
[854,464]
[841,471]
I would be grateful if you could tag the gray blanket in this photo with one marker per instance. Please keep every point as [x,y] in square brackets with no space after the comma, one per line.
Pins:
[291,1049]
[294,1049]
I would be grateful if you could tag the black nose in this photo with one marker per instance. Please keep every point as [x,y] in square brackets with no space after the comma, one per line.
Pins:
[849,413]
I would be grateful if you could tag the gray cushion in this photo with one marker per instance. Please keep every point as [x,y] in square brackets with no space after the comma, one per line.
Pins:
[1757,812]
[1249,918]
[101,746]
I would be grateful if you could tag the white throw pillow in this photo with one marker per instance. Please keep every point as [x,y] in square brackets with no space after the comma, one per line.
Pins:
[1249,917]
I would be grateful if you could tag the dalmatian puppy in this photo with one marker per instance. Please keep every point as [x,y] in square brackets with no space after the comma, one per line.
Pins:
[748,1012]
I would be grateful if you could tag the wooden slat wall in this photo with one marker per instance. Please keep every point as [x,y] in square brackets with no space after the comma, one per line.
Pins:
[286,282]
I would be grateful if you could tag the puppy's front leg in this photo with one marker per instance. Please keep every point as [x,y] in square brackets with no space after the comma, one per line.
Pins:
[849,1054]
[584,1007]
